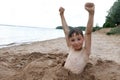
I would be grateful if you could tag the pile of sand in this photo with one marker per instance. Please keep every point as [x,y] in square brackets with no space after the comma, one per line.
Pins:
[37,66]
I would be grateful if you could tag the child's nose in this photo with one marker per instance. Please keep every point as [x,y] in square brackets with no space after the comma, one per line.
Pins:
[76,42]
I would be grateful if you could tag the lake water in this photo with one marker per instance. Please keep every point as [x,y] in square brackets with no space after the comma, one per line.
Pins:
[16,35]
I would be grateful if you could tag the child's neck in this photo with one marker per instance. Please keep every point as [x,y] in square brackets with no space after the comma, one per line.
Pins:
[78,49]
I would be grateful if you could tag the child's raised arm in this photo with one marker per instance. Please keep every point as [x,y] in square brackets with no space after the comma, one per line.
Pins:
[64,24]
[90,8]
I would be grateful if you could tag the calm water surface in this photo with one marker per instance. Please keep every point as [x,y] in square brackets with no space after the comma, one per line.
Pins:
[16,35]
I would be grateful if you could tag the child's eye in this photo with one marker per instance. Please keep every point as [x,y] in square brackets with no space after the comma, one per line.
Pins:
[78,39]
[73,40]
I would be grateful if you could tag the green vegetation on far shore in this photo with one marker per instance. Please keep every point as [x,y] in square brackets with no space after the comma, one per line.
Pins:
[113,31]
[82,28]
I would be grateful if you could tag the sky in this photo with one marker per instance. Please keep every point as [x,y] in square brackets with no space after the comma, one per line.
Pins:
[45,13]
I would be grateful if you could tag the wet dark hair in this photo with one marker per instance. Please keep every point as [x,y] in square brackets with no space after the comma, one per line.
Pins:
[75,30]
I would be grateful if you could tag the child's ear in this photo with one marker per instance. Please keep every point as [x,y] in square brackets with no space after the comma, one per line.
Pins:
[83,38]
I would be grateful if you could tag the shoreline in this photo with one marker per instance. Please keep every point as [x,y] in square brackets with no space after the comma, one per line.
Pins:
[22,43]
[46,46]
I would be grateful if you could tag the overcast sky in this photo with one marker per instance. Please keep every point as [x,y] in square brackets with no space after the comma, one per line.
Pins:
[44,13]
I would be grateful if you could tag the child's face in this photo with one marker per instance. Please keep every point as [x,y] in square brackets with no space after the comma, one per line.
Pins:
[76,41]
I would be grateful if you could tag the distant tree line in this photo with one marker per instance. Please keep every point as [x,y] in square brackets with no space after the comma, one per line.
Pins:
[81,27]
[70,27]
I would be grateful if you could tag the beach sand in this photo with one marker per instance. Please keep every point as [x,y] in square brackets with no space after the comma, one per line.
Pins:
[44,60]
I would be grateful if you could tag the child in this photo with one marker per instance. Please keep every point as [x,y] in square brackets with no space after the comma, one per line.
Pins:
[78,54]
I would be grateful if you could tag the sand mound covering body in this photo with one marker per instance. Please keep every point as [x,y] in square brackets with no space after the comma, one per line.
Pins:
[38,66]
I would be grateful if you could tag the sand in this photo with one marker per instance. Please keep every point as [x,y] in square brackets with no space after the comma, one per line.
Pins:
[44,60]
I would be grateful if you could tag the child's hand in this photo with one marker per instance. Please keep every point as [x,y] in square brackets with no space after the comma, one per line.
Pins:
[90,7]
[61,10]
